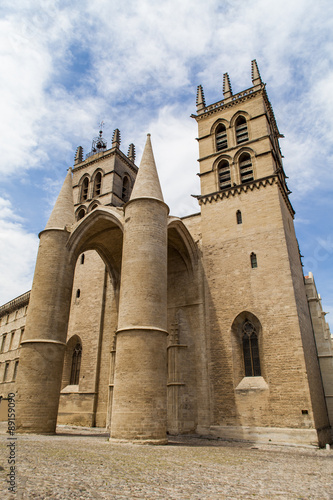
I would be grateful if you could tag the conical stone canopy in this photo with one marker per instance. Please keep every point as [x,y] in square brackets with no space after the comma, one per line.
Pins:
[63,210]
[147,184]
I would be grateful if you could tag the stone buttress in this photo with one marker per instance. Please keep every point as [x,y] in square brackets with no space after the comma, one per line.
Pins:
[139,410]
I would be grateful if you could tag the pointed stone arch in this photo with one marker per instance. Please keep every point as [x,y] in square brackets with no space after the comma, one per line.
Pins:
[237,333]
[71,344]
[180,239]
[100,230]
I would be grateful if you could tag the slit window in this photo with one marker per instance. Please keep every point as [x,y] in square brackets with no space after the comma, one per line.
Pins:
[76,364]
[224,175]
[125,189]
[245,168]
[221,137]
[250,350]
[254,262]
[239,217]
[241,130]
[82,258]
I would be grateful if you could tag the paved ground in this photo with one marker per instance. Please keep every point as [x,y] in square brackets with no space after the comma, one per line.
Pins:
[81,464]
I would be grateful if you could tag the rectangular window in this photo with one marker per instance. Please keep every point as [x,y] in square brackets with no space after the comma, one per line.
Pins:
[5,373]
[3,342]
[15,370]
[12,335]
[21,336]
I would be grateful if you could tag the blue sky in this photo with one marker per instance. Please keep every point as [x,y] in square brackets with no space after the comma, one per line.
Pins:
[136,65]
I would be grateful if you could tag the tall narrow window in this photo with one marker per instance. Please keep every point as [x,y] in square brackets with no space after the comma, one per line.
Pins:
[15,370]
[76,364]
[125,189]
[21,335]
[221,137]
[97,184]
[3,342]
[5,373]
[12,335]
[82,258]
[254,262]
[250,350]
[245,168]
[224,175]
[241,130]
[78,293]
[84,192]
[239,217]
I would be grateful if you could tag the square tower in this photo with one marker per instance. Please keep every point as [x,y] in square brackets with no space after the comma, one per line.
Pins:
[263,362]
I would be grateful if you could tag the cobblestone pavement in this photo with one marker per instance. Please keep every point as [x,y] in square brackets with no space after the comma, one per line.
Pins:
[82,464]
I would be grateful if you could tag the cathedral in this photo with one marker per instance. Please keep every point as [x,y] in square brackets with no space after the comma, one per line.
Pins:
[151,325]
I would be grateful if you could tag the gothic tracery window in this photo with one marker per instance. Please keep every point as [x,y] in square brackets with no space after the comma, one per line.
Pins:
[76,364]
[250,350]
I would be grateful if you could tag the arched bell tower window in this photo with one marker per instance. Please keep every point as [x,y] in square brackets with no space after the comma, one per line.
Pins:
[76,364]
[250,350]
[221,137]
[242,134]
[245,168]
[224,174]
[97,184]
[125,189]
[84,189]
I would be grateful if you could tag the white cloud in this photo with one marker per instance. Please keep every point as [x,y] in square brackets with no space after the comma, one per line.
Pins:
[18,250]
[66,66]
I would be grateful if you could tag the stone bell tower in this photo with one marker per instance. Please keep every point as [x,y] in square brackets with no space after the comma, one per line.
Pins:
[139,409]
[264,364]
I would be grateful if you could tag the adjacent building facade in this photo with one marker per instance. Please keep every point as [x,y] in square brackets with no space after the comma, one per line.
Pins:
[149,324]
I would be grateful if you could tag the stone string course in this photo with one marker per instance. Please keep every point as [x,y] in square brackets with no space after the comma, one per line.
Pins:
[80,463]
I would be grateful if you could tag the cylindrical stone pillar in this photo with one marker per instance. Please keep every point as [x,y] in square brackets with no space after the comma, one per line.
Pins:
[43,347]
[139,409]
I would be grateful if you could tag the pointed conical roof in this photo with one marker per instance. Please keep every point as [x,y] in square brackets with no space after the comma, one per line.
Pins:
[147,184]
[63,210]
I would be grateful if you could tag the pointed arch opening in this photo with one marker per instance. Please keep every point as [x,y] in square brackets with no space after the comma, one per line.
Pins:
[97,184]
[246,333]
[84,189]
[221,137]
[245,168]
[224,174]
[242,133]
[76,364]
